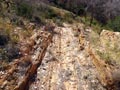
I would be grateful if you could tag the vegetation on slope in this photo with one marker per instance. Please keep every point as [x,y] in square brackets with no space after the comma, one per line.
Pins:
[19,18]
[104,11]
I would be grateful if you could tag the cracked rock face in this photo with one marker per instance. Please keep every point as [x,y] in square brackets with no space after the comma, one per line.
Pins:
[110,42]
[65,66]
[20,72]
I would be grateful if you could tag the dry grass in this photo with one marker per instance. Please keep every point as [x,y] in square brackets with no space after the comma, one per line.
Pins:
[106,47]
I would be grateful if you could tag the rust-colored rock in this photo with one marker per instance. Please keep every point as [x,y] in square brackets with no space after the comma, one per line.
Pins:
[22,70]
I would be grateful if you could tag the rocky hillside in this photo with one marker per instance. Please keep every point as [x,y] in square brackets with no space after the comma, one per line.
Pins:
[47,48]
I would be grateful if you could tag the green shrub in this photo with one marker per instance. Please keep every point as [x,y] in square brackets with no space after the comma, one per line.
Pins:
[68,18]
[38,20]
[114,24]
[3,55]
[14,39]
[4,37]
[105,56]
[58,22]
[25,10]
[52,14]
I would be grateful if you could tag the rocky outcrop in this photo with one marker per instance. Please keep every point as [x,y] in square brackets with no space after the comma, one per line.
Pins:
[110,39]
[70,62]
[20,72]
[108,74]
[66,66]
[110,44]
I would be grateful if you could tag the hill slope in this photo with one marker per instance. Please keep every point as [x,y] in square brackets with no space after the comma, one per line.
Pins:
[47,48]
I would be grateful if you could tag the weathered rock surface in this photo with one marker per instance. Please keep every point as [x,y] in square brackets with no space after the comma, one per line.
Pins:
[20,72]
[70,62]
[110,42]
[104,52]
[66,66]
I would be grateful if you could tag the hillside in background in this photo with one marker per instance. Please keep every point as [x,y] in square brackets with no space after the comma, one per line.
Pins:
[59,45]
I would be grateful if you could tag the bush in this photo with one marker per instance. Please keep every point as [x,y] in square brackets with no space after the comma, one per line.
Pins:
[9,53]
[114,24]
[51,14]
[3,38]
[14,39]
[25,10]
[12,51]
[38,20]
[68,17]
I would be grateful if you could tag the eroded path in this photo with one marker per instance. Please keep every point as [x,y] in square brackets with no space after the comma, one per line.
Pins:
[65,66]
